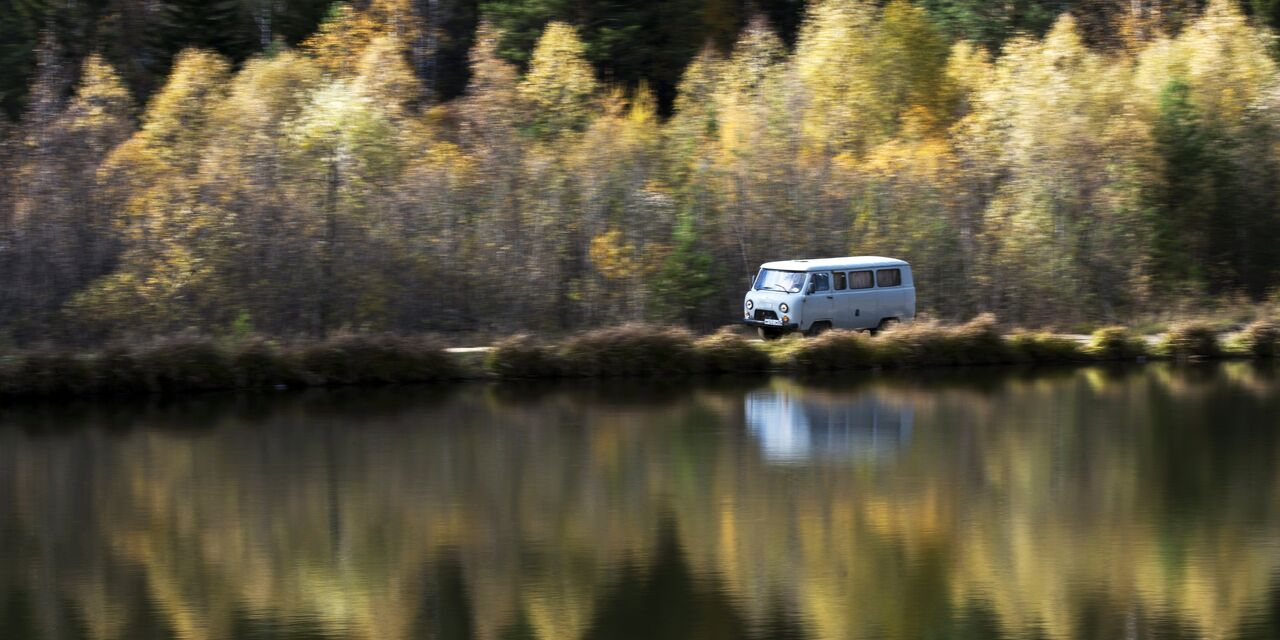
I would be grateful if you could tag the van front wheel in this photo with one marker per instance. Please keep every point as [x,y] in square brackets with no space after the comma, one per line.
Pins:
[769,334]
[818,328]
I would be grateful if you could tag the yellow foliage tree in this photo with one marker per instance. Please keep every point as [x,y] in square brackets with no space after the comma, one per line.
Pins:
[342,38]
[384,76]
[560,85]
[833,60]
[101,106]
[169,270]
[613,258]
[492,98]
[1226,61]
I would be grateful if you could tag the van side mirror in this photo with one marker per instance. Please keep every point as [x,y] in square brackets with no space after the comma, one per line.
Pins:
[813,286]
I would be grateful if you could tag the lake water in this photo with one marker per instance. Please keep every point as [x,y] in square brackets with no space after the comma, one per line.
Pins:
[1140,502]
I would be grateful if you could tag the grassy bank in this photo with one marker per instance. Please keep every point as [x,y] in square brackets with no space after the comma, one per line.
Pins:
[191,364]
[640,350]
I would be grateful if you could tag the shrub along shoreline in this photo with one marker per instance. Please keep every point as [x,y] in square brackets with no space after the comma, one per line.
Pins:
[193,364]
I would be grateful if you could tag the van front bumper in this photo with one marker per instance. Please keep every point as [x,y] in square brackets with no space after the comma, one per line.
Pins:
[790,326]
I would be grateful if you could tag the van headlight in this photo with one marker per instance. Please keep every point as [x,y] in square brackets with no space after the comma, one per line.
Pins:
[783,307]
[750,305]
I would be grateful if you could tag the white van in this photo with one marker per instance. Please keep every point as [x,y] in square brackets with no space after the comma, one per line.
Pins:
[859,292]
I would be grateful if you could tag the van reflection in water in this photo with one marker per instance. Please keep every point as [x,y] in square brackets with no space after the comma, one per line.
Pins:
[794,425]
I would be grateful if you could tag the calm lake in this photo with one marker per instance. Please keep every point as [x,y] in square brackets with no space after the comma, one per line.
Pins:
[1139,502]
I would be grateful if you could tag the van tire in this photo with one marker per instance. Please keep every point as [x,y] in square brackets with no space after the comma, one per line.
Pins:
[885,324]
[769,334]
[818,328]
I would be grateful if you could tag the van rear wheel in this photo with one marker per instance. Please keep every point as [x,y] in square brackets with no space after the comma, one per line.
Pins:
[885,324]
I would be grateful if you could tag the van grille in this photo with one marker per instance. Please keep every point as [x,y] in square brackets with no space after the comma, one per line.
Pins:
[765,314]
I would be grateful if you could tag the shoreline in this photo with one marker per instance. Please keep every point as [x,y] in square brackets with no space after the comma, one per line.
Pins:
[185,365]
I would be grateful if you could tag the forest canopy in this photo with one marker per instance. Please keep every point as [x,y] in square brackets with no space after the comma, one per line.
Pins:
[438,166]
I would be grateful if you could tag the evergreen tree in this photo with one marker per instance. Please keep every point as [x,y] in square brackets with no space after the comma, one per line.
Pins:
[1264,11]
[1186,199]
[991,23]
[20,24]
[224,26]
[689,282]
[628,43]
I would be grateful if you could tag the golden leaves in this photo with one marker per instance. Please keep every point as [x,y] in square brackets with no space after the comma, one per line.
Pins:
[613,258]
[342,39]
[560,83]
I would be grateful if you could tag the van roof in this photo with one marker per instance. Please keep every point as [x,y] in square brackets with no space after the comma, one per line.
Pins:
[824,264]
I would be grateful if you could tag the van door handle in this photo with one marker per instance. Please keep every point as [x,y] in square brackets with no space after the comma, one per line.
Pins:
[831,297]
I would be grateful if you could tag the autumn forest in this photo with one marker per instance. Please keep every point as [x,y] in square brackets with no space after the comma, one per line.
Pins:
[375,173]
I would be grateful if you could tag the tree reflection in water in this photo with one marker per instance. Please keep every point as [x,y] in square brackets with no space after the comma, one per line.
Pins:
[1078,503]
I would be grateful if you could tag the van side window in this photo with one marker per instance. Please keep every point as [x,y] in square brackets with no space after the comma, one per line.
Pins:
[821,282]
[860,280]
[889,277]
[839,277]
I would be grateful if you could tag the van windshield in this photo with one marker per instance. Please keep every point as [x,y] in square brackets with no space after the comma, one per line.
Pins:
[775,280]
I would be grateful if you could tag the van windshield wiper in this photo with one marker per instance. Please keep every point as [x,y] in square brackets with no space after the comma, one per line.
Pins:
[780,287]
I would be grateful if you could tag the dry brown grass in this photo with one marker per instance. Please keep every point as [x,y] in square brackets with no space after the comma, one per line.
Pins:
[1191,340]
[184,364]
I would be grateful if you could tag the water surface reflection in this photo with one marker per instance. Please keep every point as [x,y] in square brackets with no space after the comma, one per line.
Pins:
[1068,504]
[794,424]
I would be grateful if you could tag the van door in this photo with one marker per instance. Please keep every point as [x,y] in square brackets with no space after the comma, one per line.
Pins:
[892,295]
[840,311]
[858,308]
[819,304]
[847,301]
